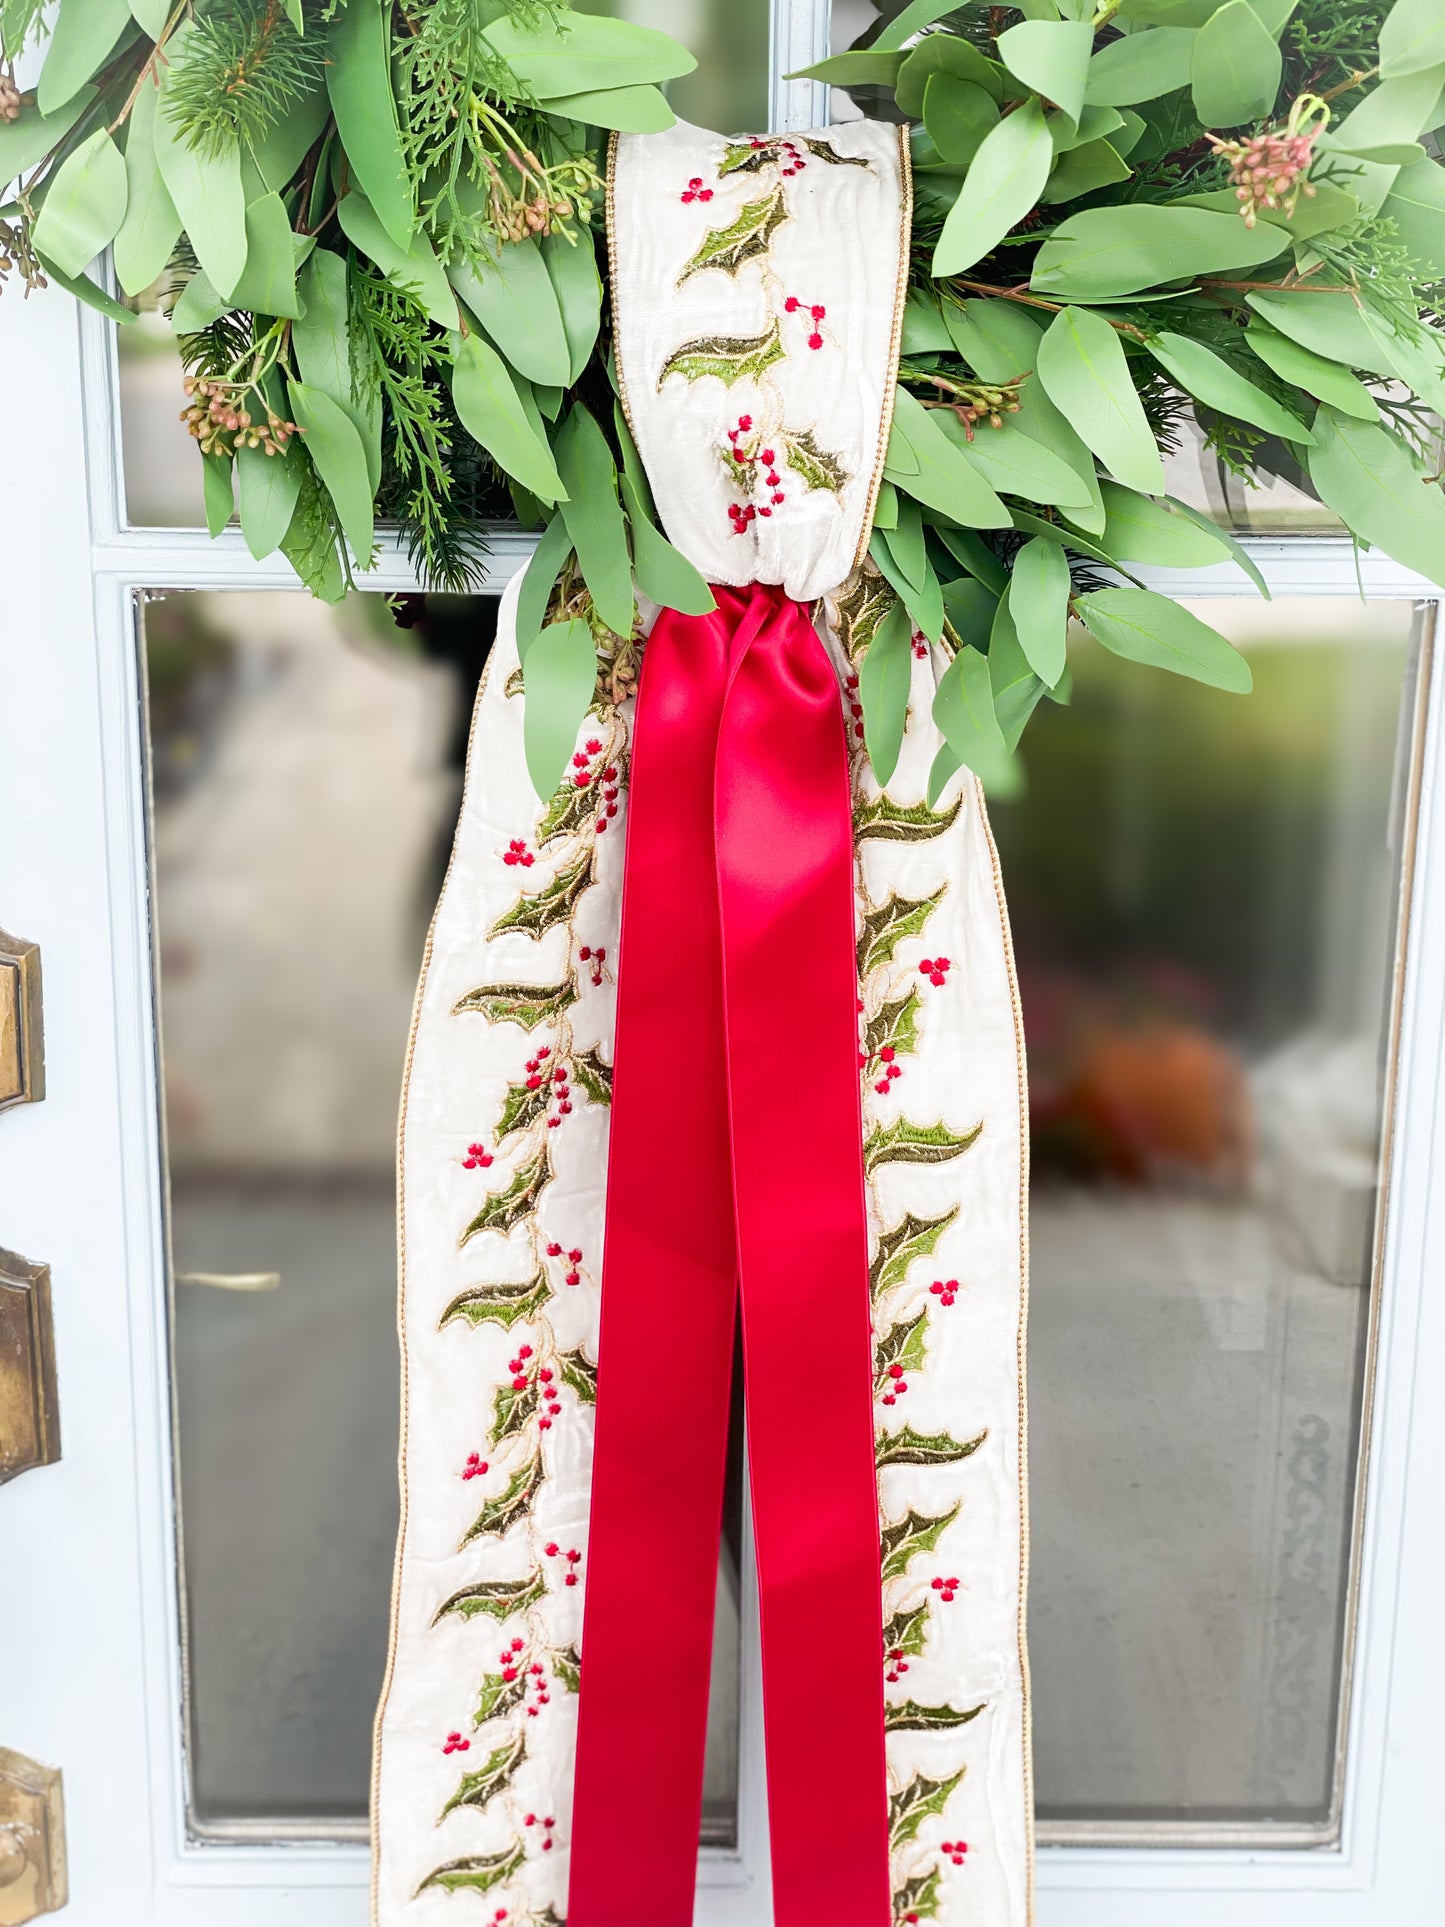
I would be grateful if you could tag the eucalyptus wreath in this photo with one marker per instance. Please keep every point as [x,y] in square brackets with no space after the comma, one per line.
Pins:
[379,225]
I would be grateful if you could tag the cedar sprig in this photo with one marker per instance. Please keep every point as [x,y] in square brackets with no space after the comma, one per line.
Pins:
[242,69]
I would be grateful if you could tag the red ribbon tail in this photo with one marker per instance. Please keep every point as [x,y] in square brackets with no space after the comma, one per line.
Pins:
[735,1168]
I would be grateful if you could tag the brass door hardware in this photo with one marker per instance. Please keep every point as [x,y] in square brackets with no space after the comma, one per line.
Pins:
[232,1280]
[32,1840]
[22,1046]
[29,1409]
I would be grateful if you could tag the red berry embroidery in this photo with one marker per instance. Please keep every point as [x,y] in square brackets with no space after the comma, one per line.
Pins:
[956,1849]
[936,969]
[456,1744]
[478,1157]
[517,852]
[945,1588]
[573,1558]
[695,191]
[945,1290]
[475,1466]
[920,644]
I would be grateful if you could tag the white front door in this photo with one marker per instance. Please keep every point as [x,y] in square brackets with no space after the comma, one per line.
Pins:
[223,812]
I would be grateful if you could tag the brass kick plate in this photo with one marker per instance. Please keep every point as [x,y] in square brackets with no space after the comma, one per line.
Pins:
[29,1411]
[22,1047]
[32,1840]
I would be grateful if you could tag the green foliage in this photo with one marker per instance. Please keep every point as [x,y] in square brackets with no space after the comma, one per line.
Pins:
[383,229]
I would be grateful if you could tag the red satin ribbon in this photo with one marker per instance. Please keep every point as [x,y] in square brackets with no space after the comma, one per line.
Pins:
[735,1164]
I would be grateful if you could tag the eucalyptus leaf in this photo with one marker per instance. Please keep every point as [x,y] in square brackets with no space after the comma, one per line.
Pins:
[84,204]
[539,579]
[1110,251]
[924,329]
[1236,67]
[1396,110]
[279,152]
[205,188]
[218,492]
[1039,601]
[267,487]
[970,607]
[1329,324]
[1066,536]
[859,67]
[150,15]
[1083,170]
[338,455]
[958,115]
[963,710]
[554,55]
[1005,179]
[147,236]
[883,685]
[1052,58]
[1416,204]
[663,572]
[593,516]
[1015,686]
[1210,379]
[630,110]
[268,280]
[31,135]
[1374,483]
[1149,628]
[82,40]
[414,268]
[572,269]
[1086,374]
[1140,529]
[1140,66]
[924,603]
[1095,123]
[513,298]
[906,544]
[976,556]
[1237,551]
[1012,463]
[923,463]
[320,335]
[559,678]
[489,409]
[197,305]
[945,53]
[358,80]
[1412,38]
[909,21]
[1316,374]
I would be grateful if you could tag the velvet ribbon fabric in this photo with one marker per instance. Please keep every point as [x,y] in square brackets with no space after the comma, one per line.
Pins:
[735,1176]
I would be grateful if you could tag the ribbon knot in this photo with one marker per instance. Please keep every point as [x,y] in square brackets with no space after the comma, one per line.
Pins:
[735,1178]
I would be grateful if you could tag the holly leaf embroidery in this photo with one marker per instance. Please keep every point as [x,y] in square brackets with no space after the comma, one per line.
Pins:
[513,686]
[924,1448]
[476,1788]
[730,358]
[887,926]
[512,1408]
[747,157]
[514,1502]
[894,822]
[910,1238]
[917,1899]
[568,810]
[861,608]
[905,1344]
[895,1026]
[499,1696]
[814,467]
[522,1107]
[499,1304]
[503,1209]
[567,1665]
[743,239]
[524,1004]
[825,151]
[478,1871]
[593,1075]
[580,1374]
[907,1631]
[922,1799]
[536,912]
[910,1717]
[498,1598]
[915,1532]
[902,1142]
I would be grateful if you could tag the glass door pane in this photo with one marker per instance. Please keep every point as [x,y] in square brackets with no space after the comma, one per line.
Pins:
[1204,893]
[306,770]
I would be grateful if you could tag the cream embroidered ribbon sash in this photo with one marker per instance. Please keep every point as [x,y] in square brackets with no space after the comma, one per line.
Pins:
[756,312]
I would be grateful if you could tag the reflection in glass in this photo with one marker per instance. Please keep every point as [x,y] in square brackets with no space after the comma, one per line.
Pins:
[306,768]
[1203,892]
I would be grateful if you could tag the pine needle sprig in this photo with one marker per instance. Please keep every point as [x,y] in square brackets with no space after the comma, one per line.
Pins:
[21,21]
[243,68]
